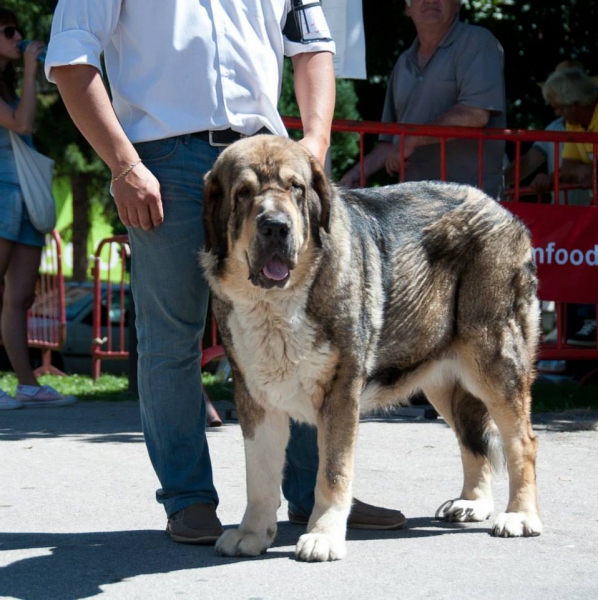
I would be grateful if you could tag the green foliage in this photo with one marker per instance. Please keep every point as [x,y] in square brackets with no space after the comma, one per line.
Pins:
[216,389]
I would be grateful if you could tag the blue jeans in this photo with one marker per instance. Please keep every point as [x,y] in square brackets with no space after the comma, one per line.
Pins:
[171,300]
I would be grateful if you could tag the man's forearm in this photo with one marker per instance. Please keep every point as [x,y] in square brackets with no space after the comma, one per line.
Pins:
[137,192]
[456,116]
[530,161]
[316,92]
[88,103]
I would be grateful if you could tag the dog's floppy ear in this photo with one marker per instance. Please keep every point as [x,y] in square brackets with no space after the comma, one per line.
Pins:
[323,189]
[214,214]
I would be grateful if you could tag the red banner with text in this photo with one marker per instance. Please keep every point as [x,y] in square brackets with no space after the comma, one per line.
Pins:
[565,240]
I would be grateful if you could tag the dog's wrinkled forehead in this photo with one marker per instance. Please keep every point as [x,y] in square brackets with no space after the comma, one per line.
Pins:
[265,158]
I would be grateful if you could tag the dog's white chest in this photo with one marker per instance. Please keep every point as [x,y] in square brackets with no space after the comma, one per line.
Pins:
[281,363]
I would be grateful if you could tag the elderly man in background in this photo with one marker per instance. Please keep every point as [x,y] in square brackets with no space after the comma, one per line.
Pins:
[451,75]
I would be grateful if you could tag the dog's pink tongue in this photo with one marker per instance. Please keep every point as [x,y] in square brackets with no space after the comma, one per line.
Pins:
[276,269]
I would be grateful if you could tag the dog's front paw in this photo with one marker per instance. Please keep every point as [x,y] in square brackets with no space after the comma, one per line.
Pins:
[464,511]
[236,542]
[320,547]
[517,524]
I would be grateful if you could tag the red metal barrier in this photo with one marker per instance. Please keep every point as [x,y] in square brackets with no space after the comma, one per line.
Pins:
[516,136]
[561,280]
[109,338]
[46,323]
[105,344]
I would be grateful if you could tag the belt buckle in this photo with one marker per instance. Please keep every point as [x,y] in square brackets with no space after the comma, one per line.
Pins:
[213,143]
[221,144]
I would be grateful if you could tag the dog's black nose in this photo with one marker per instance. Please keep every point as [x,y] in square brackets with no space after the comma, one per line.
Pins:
[274,228]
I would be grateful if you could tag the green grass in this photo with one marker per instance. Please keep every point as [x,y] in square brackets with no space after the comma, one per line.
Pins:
[568,395]
[110,388]
[216,389]
[547,396]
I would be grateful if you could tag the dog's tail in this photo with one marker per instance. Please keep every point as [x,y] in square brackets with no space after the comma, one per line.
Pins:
[475,428]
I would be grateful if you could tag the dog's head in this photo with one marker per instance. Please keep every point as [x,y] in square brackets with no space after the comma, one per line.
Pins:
[265,200]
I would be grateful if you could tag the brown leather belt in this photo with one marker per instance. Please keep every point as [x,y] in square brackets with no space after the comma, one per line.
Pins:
[225,137]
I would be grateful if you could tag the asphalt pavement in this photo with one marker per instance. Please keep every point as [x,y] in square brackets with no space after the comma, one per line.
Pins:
[78,517]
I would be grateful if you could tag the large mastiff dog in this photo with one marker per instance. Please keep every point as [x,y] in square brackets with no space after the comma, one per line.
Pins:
[331,302]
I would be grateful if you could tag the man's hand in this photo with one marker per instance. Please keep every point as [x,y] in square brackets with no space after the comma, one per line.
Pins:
[372,163]
[138,199]
[393,160]
[574,171]
[542,182]
[317,147]
[352,178]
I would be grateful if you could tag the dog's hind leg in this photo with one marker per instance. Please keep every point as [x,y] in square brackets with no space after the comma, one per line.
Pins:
[520,444]
[503,382]
[480,447]
[265,444]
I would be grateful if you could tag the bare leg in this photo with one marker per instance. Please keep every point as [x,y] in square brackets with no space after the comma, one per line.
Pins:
[20,265]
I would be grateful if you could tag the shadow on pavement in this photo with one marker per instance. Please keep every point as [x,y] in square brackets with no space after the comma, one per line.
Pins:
[105,422]
[77,565]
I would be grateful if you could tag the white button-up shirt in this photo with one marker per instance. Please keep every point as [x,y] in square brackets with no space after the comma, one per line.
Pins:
[181,66]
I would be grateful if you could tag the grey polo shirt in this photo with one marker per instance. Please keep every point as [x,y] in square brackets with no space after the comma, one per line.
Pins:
[466,68]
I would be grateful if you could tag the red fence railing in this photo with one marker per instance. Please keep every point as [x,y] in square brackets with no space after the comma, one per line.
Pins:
[46,319]
[110,300]
[111,308]
[515,136]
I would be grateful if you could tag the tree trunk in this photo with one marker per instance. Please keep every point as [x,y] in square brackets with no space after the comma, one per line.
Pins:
[81,226]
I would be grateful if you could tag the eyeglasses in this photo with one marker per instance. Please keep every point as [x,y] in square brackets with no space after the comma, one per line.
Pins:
[9,31]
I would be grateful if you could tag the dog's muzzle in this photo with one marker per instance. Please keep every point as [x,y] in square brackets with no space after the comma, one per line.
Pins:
[274,246]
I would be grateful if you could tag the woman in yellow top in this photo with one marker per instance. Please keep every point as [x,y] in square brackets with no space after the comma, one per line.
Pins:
[573,96]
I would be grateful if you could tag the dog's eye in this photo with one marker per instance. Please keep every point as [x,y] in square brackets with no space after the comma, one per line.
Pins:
[243,193]
[297,187]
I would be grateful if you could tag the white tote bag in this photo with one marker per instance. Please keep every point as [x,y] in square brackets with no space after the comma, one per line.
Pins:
[35,177]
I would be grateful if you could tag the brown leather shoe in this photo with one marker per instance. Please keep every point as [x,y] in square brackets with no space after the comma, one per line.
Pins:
[365,516]
[195,524]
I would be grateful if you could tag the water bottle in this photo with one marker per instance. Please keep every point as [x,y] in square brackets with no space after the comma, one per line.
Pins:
[23,45]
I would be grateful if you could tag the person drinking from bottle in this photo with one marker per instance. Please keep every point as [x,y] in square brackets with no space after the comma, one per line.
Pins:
[20,242]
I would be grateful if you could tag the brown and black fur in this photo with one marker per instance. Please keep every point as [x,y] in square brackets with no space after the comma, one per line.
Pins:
[419,286]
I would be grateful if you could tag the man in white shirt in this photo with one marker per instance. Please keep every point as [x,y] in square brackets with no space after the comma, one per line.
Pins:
[187,78]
